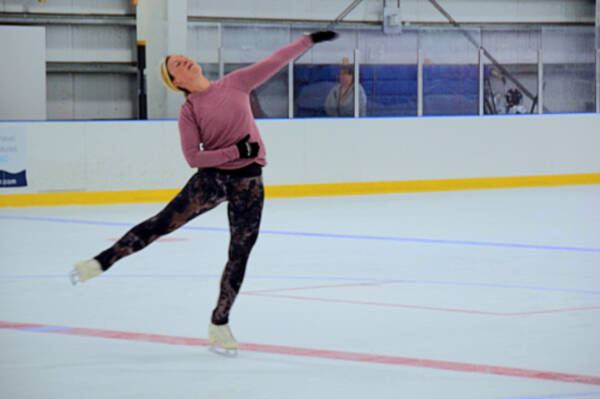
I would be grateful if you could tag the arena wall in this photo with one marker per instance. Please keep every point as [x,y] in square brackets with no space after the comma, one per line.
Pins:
[133,161]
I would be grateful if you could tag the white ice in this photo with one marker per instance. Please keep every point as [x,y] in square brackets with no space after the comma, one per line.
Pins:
[502,278]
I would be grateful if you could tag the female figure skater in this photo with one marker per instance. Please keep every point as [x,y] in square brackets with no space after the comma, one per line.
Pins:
[220,137]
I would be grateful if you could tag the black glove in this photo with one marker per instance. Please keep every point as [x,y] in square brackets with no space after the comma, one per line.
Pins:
[322,36]
[246,149]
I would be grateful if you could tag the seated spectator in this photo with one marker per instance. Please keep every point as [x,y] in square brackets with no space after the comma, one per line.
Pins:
[513,102]
[340,101]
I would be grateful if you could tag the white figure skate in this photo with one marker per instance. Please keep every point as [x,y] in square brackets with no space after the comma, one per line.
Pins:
[85,270]
[222,340]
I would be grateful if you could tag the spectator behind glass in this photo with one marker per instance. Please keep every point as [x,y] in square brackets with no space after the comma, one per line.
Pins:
[513,102]
[340,100]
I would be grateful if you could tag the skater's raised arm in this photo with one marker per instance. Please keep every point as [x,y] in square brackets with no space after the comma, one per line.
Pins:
[254,75]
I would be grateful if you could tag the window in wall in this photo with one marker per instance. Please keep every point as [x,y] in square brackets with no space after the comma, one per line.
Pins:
[450,72]
[517,52]
[326,90]
[324,79]
[569,69]
[388,71]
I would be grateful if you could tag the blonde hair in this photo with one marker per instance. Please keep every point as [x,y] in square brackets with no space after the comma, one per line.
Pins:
[167,79]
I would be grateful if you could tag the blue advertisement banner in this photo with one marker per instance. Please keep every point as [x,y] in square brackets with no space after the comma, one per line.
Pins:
[12,157]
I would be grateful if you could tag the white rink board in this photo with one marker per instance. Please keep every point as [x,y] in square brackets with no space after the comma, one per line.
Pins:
[146,155]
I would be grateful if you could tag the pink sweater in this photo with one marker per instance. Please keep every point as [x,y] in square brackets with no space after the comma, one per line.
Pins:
[220,116]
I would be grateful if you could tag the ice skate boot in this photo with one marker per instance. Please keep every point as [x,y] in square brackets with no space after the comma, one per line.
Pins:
[221,336]
[85,270]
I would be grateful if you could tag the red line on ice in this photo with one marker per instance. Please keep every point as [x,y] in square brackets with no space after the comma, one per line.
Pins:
[397,305]
[271,293]
[318,353]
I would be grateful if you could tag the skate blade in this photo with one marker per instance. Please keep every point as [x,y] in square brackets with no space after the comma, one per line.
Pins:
[217,350]
[74,277]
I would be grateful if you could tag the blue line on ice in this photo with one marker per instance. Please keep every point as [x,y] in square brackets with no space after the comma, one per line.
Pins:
[327,235]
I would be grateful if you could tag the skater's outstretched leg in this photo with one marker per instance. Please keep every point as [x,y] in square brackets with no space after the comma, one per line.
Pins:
[203,192]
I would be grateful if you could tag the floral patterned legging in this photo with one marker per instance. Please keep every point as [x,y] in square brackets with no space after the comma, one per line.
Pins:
[204,191]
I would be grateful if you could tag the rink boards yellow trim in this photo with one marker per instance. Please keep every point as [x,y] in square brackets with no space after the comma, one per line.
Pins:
[305,190]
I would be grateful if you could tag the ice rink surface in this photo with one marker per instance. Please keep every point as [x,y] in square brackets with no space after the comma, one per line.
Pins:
[490,294]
